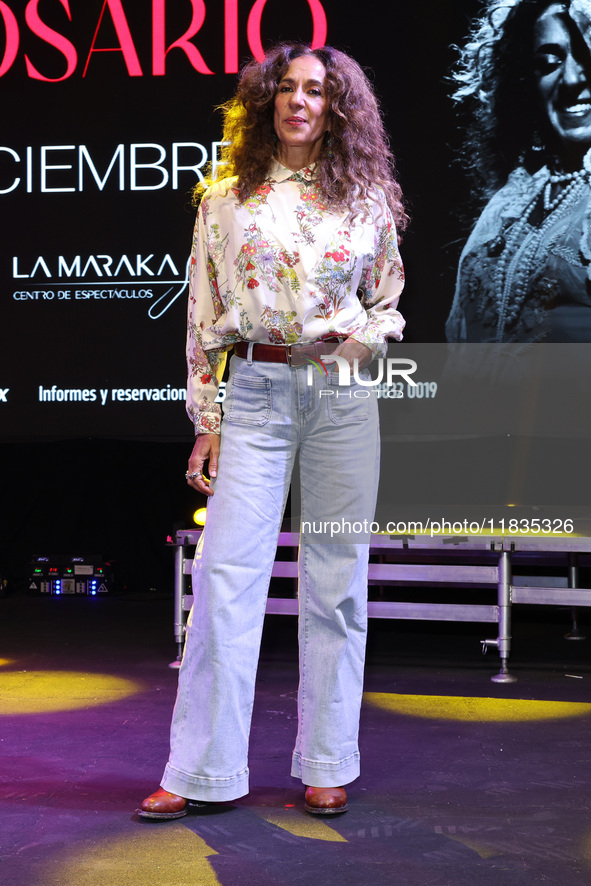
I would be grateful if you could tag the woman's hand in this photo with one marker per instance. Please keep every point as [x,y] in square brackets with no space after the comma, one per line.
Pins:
[351,349]
[206,448]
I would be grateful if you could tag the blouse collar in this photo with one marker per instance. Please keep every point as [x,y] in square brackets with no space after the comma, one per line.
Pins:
[280,173]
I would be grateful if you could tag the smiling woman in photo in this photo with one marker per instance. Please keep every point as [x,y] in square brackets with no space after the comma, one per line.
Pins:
[525,79]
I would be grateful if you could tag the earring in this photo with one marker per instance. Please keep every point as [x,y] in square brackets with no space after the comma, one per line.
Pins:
[538,145]
[329,143]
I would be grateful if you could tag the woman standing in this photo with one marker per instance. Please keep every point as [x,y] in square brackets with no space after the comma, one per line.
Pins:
[295,256]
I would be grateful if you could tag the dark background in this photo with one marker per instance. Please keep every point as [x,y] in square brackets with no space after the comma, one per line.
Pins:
[85,478]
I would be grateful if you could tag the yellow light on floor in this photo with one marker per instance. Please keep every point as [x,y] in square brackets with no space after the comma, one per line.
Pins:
[476,710]
[199,516]
[300,824]
[32,692]
[586,853]
[171,856]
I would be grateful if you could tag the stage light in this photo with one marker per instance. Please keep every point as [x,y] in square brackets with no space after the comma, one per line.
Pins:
[199,516]
[475,709]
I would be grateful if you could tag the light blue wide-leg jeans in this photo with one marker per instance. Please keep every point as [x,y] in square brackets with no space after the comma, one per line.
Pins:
[271,411]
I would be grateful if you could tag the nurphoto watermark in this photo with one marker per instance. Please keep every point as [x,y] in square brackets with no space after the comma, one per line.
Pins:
[389,372]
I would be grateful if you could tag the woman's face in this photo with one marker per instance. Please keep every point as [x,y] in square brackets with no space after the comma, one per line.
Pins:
[561,71]
[301,112]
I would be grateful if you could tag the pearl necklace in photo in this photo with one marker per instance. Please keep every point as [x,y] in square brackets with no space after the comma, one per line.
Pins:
[520,252]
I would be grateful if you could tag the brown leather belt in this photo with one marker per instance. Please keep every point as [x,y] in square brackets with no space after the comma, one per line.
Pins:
[294,355]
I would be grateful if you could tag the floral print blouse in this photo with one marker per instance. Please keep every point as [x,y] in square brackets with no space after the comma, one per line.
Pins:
[282,268]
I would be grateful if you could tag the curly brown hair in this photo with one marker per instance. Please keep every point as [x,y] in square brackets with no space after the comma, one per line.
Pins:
[495,85]
[358,159]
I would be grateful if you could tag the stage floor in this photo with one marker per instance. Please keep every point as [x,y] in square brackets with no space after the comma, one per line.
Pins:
[463,781]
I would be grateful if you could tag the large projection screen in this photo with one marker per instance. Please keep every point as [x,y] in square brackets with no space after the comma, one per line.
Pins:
[108,122]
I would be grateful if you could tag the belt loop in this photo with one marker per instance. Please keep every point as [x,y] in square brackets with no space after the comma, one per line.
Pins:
[249,353]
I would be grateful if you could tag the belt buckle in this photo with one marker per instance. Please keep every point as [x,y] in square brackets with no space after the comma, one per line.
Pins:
[302,354]
[299,354]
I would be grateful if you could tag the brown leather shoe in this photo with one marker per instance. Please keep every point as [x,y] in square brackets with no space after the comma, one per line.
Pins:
[326,801]
[164,806]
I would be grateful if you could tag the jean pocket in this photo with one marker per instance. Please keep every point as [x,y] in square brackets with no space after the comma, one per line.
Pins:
[349,403]
[248,401]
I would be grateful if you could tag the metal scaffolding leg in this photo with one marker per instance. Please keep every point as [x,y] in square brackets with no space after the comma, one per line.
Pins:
[573,582]
[179,622]
[503,641]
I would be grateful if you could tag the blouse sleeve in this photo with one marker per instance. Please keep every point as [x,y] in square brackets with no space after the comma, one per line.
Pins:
[381,284]
[204,368]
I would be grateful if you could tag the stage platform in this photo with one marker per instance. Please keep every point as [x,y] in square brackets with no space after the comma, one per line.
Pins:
[523,569]
[463,781]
